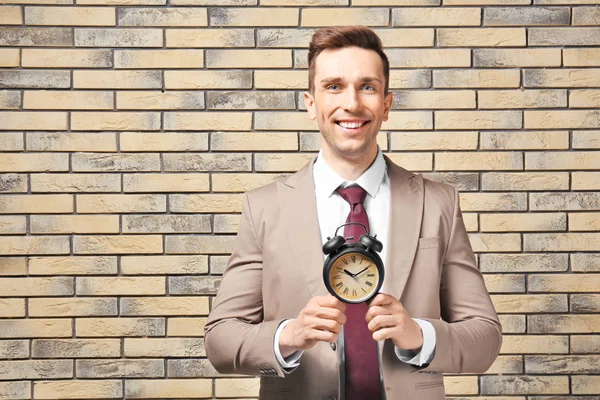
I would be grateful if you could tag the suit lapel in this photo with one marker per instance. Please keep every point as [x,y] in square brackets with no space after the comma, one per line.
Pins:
[406,214]
[299,214]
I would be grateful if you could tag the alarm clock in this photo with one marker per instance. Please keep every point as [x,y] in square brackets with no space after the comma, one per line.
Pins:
[353,271]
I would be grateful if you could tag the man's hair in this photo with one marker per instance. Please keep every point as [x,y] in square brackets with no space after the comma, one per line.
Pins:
[345,36]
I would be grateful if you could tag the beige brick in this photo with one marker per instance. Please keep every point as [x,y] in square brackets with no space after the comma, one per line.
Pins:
[481,37]
[308,3]
[51,37]
[585,262]
[149,265]
[254,17]
[281,162]
[471,222]
[76,348]
[505,283]
[586,139]
[38,2]
[476,161]
[136,100]
[67,58]
[505,365]
[13,183]
[324,17]
[517,344]
[584,221]
[281,120]
[241,182]
[98,162]
[227,223]
[208,79]
[512,323]
[435,16]
[396,2]
[205,203]
[413,161]
[123,2]
[13,266]
[429,58]
[427,99]
[120,368]
[62,183]
[115,121]
[522,99]
[435,140]
[10,100]
[585,344]
[121,203]
[10,15]
[14,349]
[237,387]
[562,241]
[9,57]
[585,180]
[248,58]
[525,384]
[89,389]
[520,16]
[250,141]
[117,80]
[20,120]
[311,141]
[208,162]
[186,326]
[166,224]
[563,36]
[163,17]
[72,307]
[11,141]
[28,162]
[562,160]
[73,265]
[193,182]
[34,328]
[562,119]
[159,58]
[74,224]
[563,77]
[207,38]
[523,222]
[530,303]
[180,305]
[214,120]
[72,100]
[531,140]
[565,201]
[404,37]
[461,385]
[493,201]
[524,181]
[251,100]
[585,384]
[138,244]
[138,141]
[475,78]
[13,225]
[199,244]
[478,119]
[120,286]
[218,264]
[586,16]
[11,308]
[564,283]
[118,37]
[523,262]
[583,57]
[64,141]
[172,347]
[30,204]
[34,369]
[584,99]
[70,16]
[281,79]
[410,79]
[117,327]
[495,242]
[563,323]
[168,389]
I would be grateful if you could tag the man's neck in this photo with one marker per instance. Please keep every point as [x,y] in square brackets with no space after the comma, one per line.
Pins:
[349,169]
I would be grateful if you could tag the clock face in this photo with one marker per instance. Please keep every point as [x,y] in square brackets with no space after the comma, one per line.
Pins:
[354,277]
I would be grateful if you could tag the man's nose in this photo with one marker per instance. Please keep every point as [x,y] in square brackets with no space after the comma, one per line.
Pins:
[352,100]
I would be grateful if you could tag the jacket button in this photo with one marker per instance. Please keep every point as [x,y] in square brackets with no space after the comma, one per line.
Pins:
[333,347]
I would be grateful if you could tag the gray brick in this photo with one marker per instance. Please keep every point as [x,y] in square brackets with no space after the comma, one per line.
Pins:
[562,364]
[13,183]
[118,37]
[36,37]
[564,201]
[464,182]
[95,162]
[35,79]
[207,162]
[585,303]
[284,38]
[585,262]
[13,349]
[191,368]
[202,285]
[120,368]
[166,224]
[586,16]
[34,369]
[523,262]
[520,16]
[564,37]
[505,385]
[251,100]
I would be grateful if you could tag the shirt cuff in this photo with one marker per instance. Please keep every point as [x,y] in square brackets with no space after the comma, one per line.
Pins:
[293,360]
[425,356]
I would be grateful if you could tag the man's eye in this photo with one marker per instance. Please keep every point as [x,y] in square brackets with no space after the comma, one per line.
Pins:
[332,87]
[369,86]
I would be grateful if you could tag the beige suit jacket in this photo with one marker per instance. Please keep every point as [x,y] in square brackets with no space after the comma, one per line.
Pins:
[276,267]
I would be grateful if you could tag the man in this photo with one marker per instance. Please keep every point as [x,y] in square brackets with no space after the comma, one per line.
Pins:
[273,316]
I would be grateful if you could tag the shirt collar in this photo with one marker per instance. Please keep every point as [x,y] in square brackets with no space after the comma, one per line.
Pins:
[327,180]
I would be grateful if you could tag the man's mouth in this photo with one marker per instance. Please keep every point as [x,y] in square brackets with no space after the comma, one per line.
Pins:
[352,125]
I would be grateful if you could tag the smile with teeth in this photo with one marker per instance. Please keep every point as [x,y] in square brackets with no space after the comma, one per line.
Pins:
[351,125]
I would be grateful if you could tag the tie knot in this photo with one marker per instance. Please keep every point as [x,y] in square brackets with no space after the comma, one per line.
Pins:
[352,194]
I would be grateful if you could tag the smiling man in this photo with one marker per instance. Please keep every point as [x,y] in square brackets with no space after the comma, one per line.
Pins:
[273,316]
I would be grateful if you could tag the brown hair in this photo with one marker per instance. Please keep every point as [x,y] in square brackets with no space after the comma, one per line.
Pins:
[345,36]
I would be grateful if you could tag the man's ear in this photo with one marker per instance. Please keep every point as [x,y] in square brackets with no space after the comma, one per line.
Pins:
[388,100]
[309,102]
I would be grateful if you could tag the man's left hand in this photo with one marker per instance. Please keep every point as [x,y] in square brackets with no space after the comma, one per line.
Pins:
[388,319]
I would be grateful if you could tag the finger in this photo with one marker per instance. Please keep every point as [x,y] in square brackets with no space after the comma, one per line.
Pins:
[381,299]
[332,314]
[374,311]
[383,334]
[383,321]
[332,302]
[327,325]
[322,336]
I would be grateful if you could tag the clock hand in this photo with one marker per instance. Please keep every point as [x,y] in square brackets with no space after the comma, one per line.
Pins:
[361,271]
[349,273]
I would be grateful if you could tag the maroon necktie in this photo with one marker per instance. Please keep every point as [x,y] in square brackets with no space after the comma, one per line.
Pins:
[362,367]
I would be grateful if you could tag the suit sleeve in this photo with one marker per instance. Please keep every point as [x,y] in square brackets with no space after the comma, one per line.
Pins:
[237,340]
[469,335]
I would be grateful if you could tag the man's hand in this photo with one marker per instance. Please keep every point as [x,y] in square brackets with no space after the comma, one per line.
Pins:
[388,319]
[320,320]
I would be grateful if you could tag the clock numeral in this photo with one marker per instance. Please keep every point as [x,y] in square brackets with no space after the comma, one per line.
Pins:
[370,275]
[339,269]
[339,285]
[337,277]
[354,292]
[361,260]
[363,289]
[346,291]
[369,283]
[344,261]
[353,259]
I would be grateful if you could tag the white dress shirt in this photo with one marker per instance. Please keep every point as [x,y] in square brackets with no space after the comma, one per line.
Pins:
[332,211]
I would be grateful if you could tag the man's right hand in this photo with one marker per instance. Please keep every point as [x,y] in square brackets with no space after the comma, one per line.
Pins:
[320,320]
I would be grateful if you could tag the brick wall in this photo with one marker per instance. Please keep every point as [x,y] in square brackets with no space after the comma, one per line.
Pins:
[130,128]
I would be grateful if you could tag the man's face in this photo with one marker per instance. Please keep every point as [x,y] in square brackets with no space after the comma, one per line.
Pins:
[348,101]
